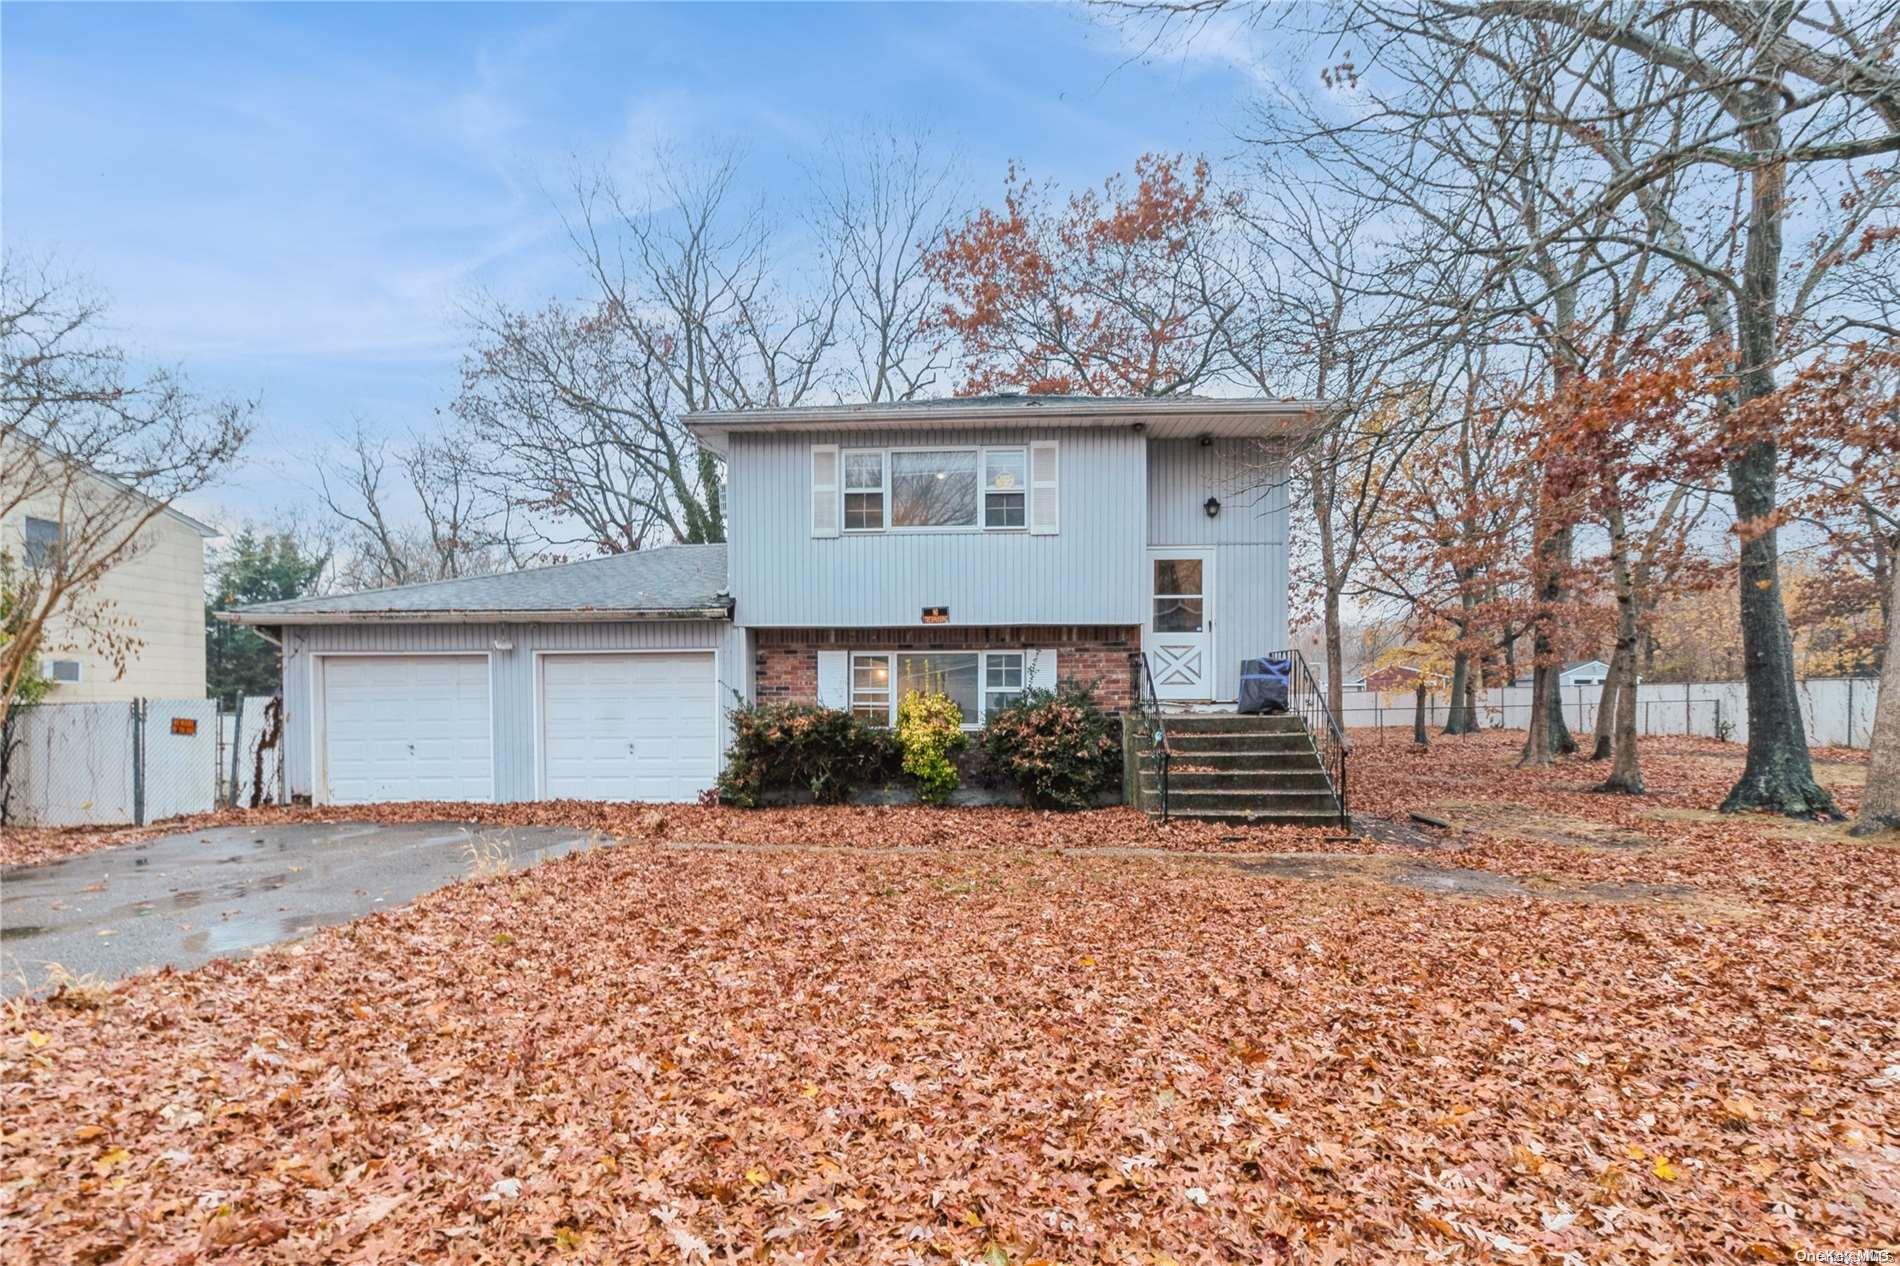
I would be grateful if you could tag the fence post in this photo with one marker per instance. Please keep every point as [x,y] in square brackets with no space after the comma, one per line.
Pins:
[237,744]
[138,762]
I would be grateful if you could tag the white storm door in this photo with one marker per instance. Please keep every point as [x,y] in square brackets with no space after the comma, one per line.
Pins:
[406,727]
[628,726]
[1179,636]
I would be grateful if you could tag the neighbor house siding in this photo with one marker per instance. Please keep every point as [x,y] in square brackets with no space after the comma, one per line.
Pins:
[156,595]
[511,682]
[1089,572]
[1248,537]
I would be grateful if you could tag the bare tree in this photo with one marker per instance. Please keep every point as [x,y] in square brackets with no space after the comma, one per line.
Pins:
[415,511]
[882,203]
[1317,322]
[574,411]
[98,450]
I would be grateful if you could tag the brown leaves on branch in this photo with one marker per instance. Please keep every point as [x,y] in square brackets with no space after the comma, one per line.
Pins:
[1110,292]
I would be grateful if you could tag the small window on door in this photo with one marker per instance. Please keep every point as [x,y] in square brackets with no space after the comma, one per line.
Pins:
[1179,603]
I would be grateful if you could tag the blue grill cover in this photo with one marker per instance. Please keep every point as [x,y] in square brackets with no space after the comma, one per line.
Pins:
[1263,684]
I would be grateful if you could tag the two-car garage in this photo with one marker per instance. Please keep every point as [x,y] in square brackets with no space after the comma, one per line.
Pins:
[604,679]
[606,725]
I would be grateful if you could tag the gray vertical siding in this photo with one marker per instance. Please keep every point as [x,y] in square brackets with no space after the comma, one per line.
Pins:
[1090,572]
[1248,536]
[511,682]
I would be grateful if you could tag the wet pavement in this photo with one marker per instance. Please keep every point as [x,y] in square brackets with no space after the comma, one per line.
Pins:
[185,899]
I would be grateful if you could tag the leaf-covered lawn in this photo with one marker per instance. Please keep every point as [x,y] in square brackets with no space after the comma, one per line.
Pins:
[990,1050]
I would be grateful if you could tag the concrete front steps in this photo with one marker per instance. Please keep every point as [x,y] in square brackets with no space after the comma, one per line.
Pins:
[1260,770]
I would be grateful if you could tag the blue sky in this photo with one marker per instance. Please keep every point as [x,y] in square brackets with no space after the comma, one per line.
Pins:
[292,202]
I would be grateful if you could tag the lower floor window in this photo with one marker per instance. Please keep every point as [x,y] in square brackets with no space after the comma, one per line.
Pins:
[978,682]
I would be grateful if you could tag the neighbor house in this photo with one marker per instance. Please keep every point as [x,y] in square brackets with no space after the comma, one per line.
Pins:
[1586,672]
[976,547]
[157,591]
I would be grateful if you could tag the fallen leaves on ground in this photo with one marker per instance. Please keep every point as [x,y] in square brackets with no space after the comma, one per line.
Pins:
[988,1050]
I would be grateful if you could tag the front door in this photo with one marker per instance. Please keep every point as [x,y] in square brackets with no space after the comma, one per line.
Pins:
[1179,639]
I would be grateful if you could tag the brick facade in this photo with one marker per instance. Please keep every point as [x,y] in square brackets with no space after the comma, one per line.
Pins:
[785,667]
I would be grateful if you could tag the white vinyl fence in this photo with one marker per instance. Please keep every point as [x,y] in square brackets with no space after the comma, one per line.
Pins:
[1837,711]
[130,762]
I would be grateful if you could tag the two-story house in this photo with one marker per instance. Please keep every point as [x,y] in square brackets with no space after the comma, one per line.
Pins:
[156,592]
[976,547]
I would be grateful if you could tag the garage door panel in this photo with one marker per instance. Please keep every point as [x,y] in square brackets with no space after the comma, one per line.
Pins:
[407,728]
[628,727]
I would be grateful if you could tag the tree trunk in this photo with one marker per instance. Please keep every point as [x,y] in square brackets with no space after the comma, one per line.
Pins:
[1419,736]
[1606,707]
[1471,697]
[1880,803]
[1624,576]
[1626,774]
[1335,658]
[1778,774]
[1460,717]
[1549,735]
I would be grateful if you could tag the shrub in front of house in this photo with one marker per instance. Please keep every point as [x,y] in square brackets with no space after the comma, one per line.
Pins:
[1058,747]
[929,733]
[799,748]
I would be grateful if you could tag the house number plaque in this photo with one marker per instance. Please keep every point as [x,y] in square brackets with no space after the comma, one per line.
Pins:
[936,615]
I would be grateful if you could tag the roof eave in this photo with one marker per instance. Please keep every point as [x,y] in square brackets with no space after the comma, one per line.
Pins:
[568,615]
[1309,417]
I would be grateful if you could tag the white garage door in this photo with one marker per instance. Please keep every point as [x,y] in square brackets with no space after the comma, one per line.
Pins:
[628,727]
[406,727]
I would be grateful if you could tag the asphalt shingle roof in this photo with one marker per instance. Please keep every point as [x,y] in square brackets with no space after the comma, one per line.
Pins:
[673,578]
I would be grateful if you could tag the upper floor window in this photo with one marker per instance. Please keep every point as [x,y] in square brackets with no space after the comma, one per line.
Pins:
[42,542]
[934,488]
[1005,477]
[864,491]
[1009,488]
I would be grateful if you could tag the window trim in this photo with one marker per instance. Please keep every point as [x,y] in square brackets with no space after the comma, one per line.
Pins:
[983,691]
[982,452]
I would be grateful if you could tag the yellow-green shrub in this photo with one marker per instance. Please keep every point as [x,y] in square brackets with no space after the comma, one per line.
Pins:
[929,732]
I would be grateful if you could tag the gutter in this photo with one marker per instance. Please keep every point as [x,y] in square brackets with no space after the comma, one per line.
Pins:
[1023,410]
[569,615]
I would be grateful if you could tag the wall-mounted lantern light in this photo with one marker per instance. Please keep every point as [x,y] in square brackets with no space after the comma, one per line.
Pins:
[1212,506]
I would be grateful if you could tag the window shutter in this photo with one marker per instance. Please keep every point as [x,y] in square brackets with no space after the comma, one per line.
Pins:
[824,490]
[1045,502]
[834,679]
[1039,669]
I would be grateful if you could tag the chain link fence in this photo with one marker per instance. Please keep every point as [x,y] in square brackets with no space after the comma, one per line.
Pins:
[130,762]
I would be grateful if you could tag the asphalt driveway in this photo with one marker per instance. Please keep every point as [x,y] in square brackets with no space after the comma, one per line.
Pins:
[182,900]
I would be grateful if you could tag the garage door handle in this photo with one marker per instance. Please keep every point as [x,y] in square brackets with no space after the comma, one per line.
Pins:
[629,749]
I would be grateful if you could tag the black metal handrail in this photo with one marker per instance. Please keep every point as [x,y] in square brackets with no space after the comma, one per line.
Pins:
[1148,709]
[1306,700]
